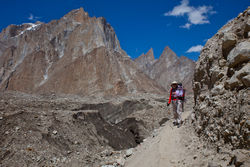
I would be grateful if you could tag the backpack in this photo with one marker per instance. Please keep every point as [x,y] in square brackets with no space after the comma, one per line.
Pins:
[180,92]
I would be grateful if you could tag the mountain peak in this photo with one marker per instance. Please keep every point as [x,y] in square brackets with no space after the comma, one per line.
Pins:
[150,50]
[146,60]
[168,53]
[79,15]
[79,11]
[168,50]
[150,54]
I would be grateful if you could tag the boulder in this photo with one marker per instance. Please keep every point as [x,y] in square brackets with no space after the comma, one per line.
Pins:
[54,132]
[246,80]
[129,152]
[218,90]
[232,83]
[244,75]
[247,27]
[243,71]
[215,74]
[222,62]
[120,161]
[229,41]
[240,54]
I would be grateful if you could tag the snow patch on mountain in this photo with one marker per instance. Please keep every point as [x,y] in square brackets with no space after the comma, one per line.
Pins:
[32,27]
[45,76]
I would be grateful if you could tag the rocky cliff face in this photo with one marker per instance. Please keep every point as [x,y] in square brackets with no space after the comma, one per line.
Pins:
[167,68]
[74,55]
[221,85]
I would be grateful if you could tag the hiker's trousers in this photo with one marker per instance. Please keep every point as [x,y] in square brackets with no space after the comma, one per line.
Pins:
[177,110]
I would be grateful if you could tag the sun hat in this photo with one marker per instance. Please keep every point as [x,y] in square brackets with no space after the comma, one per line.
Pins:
[174,83]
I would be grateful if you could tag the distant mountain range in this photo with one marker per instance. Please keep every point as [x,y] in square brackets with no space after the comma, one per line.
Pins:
[167,68]
[81,55]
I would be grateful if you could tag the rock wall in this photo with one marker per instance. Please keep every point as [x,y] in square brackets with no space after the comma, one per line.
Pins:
[221,85]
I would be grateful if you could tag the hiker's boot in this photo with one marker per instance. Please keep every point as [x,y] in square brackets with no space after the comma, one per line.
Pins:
[175,123]
[179,123]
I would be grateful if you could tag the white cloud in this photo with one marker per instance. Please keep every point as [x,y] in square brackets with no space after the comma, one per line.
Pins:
[196,48]
[33,18]
[187,25]
[180,10]
[196,15]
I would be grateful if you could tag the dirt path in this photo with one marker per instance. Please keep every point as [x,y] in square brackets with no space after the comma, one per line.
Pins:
[171,146]
[166,149]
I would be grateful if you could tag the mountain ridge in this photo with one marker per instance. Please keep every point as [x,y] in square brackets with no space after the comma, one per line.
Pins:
[167,68]
[55,46]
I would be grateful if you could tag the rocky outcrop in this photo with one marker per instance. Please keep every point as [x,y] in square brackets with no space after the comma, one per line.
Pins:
[221,85]
[77,54]
[167,68]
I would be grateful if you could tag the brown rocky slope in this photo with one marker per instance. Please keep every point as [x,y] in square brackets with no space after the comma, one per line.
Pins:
[221,87]
[51,130]
[167,68]
[77,54]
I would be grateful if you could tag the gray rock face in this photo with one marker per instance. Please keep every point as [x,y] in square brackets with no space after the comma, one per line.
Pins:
[229,41]
[240,54]
[167,68]
[221,86]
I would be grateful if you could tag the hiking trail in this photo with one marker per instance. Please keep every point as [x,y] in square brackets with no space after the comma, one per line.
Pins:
[172,147]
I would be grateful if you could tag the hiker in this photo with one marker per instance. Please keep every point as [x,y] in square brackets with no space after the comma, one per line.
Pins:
[177,98]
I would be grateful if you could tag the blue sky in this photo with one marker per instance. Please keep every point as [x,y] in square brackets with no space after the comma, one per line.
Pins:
[184,25]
